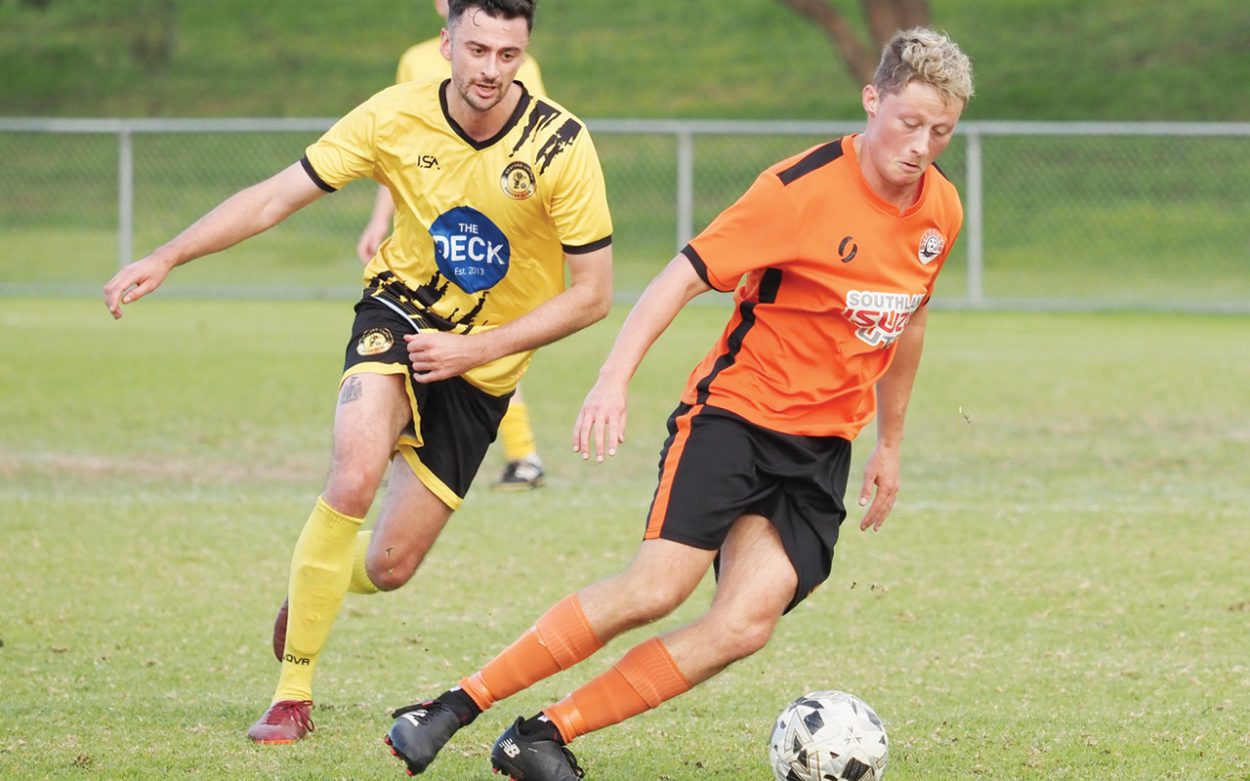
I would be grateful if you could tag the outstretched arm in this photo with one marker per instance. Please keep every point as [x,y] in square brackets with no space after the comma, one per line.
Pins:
[603,413]
[893,395]
[244,214]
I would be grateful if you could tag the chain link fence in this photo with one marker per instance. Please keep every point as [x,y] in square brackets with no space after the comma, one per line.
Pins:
[1147,216]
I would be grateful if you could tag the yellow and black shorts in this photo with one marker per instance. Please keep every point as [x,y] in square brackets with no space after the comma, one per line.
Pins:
[453,422]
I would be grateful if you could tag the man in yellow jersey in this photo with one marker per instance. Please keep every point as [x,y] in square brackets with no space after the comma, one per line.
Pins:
[425,62]
[496,193]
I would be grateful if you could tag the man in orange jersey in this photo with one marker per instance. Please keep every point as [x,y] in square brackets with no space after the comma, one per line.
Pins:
[832,256]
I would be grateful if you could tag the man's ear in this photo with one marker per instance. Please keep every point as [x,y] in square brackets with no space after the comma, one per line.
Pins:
[870,98]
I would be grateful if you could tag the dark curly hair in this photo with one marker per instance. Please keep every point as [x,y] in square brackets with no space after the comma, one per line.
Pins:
[505,9]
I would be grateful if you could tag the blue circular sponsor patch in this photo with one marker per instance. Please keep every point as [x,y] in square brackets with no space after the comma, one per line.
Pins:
[470,249]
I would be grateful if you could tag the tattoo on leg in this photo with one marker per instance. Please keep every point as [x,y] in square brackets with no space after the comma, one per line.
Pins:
[351,391]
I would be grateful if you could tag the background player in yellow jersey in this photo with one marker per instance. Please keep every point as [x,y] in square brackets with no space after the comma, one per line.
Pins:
[496,193]
[425,62]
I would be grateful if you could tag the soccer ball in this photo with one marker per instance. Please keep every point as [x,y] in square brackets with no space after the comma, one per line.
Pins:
[828,736]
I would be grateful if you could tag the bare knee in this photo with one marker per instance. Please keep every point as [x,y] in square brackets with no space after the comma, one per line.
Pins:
[740,636]
[387,569]
[351,493]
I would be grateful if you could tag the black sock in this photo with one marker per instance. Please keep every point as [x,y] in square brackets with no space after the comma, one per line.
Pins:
[461,704]
[540,728]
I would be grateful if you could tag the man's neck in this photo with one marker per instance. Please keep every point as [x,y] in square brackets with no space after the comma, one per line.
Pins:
[482,125]
[900,197]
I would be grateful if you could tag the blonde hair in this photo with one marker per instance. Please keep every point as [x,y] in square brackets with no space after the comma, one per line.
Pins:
[929,57]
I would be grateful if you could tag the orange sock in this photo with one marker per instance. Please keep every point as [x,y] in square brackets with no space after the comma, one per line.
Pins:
[561,638]
[645,677]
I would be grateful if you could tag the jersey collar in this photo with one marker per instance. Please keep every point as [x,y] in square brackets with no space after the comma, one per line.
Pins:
[521,106]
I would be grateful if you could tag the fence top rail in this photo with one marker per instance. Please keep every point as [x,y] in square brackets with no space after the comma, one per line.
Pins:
[114,126]
[1079,128]
[190,125]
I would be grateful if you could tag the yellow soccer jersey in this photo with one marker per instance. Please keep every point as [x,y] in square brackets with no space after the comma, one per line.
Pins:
[425,62]
[481,228]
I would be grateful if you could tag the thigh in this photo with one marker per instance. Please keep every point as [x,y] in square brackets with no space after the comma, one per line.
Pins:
[452,427]
[375,402]
[755,576]
[756,582]
[443,429]
[372,410]
[808,510]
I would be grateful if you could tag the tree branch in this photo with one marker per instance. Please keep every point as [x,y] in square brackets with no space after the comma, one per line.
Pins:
[858,60]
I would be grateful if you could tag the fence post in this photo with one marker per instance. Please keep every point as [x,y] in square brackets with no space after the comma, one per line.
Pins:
[125,196]
[975,227]
[685,186]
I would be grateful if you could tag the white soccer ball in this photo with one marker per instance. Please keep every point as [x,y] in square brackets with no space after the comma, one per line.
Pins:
[828,736]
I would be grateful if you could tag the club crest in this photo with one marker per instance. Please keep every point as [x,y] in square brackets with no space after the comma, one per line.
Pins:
[518,181]
[375,341]
[931,245]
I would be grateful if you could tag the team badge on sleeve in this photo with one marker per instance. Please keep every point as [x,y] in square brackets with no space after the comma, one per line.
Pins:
[375,341]
[518,181]
[931,245]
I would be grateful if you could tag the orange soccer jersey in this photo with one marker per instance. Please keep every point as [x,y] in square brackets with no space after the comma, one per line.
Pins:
[832,275]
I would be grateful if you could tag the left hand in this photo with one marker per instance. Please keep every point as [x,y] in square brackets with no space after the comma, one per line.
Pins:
[434,355]
[881,471]
[600,424]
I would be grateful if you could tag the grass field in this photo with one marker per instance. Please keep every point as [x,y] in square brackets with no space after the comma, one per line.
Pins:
[1060,594]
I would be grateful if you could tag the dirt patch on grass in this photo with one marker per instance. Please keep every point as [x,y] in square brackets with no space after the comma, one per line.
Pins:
[84,466]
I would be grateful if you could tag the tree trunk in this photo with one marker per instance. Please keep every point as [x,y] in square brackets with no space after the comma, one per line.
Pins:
[884,17]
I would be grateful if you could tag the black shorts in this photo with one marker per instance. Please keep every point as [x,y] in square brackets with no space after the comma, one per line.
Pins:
[453,422]
[716,467]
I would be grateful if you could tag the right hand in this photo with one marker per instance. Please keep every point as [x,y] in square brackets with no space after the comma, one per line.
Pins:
[602,418]
[134,282]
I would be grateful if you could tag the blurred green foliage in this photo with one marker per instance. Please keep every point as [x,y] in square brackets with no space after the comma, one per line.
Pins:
[1034,59]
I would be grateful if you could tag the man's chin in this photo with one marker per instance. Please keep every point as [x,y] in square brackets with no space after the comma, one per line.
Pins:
[482,102]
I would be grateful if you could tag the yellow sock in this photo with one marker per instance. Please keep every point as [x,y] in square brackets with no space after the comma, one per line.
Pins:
[516,432]
[360,576]
[321,569]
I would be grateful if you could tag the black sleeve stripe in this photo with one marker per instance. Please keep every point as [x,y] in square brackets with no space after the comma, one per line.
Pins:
[591,247]
[312,174]
[770,285]
[820,157]
[700,267]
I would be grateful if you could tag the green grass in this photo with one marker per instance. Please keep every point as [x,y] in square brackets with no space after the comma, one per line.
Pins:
[1059,594]
[1034,59]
